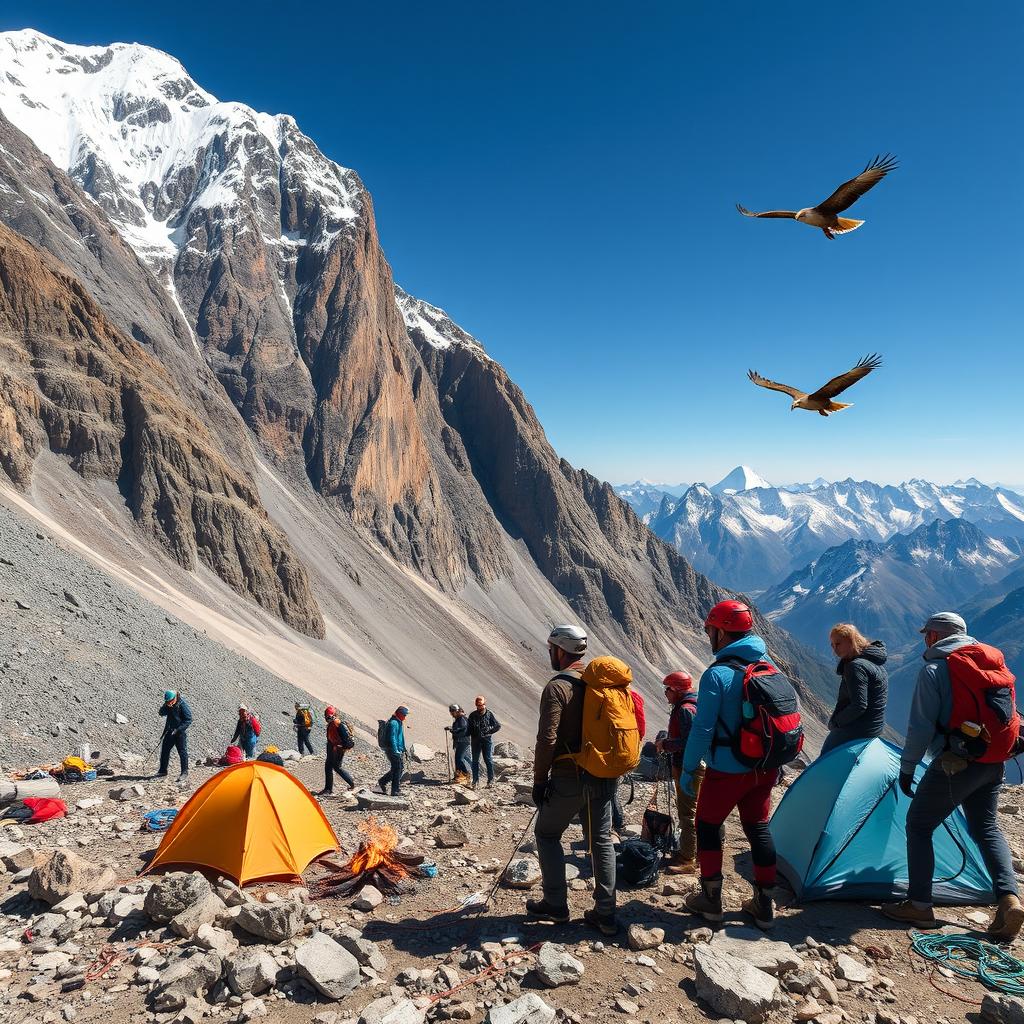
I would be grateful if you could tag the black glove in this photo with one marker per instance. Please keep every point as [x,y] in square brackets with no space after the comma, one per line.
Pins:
[540,793]
[907,783]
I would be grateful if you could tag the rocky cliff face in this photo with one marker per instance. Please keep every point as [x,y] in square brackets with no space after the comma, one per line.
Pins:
[72,383]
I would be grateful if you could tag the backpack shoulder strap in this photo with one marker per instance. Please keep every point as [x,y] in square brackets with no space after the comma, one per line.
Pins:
[570,676]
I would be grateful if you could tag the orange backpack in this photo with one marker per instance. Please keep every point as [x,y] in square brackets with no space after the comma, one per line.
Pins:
[611,736]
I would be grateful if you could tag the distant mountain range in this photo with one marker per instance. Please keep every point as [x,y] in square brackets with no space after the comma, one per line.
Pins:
[889,589]
[752,538]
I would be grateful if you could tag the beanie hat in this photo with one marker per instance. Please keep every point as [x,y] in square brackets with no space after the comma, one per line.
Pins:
[169,695]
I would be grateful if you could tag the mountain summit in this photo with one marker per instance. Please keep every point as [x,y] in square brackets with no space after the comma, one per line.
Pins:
[742,478]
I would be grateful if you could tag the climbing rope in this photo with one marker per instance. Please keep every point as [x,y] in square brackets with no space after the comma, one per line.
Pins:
[973,958]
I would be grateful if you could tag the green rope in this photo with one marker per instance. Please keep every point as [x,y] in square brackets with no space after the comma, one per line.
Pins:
[973,958]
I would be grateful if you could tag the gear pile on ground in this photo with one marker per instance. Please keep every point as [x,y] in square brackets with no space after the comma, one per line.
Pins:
[83,939]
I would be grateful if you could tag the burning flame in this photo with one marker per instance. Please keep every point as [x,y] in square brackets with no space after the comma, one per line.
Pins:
[376,849]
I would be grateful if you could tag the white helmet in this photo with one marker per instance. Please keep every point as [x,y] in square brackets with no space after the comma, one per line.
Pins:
[571,639]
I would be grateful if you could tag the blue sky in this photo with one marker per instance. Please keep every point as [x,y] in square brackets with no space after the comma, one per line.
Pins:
[561,178]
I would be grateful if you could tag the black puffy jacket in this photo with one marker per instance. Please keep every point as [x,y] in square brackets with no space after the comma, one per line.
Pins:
[860,705]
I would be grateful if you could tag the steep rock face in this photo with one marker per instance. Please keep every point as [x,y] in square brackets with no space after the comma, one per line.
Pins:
[72,383]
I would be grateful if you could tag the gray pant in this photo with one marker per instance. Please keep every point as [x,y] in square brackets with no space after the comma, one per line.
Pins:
[976,790]
[569,794]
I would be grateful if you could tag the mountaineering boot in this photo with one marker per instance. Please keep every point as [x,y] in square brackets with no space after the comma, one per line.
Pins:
[707,900]
[906,913]
[1008,920]
[606,925]
[545,911]
[680,864]
[761,907]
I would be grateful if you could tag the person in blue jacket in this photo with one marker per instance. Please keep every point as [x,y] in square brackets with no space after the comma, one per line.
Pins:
[175,735]
[394,749]
[728,784]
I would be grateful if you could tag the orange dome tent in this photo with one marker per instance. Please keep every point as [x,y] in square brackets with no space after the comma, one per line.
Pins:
[250,822]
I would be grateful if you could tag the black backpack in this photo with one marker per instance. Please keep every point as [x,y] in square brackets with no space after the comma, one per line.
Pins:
[637,865]
[771,733]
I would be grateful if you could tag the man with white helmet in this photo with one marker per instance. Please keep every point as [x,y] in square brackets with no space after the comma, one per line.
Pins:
[562,791]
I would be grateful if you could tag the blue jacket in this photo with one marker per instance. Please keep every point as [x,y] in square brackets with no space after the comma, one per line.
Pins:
[178,715]
[932,706]
[720,708]
[395,737]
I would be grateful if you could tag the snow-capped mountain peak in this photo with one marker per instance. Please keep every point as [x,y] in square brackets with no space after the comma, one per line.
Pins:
[432,324]
[153,148]
[742,478]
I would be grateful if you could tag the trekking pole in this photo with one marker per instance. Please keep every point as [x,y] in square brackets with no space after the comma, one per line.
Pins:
[511,856]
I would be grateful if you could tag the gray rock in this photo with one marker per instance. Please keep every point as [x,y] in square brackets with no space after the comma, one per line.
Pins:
[188,976]
[250,971]
[369,898]
[191,919]
[522,873]
[367,953]
[330,968]
[272,922]
[127,908]
[368,801]
[556,966]
[527,1009]
[1002,1009]
[174,893]
[766,955]
[464,797]
[217,940]
[421,753]
[451,837]
[852,970]
[64,873]
[512,751]
[405,1011]
[732,988]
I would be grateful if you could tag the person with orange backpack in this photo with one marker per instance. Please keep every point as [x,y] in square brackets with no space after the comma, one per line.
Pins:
[303,722]
[964,715]
[587,738]
[747,726]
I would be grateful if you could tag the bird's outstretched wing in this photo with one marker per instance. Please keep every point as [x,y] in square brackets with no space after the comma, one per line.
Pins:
[790,214]
[764,382]
[850,191]
[837,385]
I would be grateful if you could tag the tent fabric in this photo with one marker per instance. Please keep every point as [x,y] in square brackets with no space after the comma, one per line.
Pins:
[250,822]
[840,833]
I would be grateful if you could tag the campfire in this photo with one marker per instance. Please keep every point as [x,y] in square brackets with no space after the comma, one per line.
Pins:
[377,862]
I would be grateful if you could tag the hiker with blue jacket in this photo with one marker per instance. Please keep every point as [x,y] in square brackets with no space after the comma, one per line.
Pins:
[393,745]
[175,735]
[863,687]
[963,717]
[728,784]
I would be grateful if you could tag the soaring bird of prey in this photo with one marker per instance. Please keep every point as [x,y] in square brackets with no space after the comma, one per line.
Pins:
[821,400]
[826,215]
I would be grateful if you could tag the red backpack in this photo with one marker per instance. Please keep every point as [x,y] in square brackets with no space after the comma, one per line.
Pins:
[984,724]
[771,733]
[254,722]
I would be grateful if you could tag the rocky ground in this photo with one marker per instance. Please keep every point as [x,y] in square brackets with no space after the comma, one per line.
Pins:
[82,939]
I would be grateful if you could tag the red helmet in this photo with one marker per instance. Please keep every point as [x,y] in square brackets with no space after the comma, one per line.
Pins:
[330,711]
[732,616]
[679,681]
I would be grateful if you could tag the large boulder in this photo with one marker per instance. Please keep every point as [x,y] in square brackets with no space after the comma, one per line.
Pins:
[175,893]
[776,958]
[1002,1009]
[732,988]
[527,1009]
[512,751]
[367,953]
[64,873]
[189,976]
[556,966]
[369,801]
[330,968]
[250,971]
[272,922]
[191,919]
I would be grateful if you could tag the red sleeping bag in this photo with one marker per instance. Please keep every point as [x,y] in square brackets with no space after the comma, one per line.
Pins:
[233,755]
[44,808]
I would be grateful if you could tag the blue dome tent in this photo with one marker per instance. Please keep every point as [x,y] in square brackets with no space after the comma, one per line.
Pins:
[840,832]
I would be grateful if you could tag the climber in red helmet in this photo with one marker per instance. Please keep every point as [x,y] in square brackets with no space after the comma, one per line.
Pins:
[727,782]
[681,695]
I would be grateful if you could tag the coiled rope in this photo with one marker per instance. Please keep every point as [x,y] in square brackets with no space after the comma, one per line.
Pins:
[973,958]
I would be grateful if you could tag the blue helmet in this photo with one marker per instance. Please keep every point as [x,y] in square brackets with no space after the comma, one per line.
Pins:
[169,695]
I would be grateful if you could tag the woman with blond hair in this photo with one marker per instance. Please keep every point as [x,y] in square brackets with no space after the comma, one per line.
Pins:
[863,687]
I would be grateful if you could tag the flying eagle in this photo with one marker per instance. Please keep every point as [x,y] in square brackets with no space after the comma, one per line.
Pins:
[826,215]
[821,401]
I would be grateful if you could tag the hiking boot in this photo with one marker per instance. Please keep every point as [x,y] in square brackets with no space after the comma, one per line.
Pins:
[544,911]
[707,900]
[160,775]
[325,792]
[761,907]
[605,924]
[490,785]
[1008,920]
[906,913]
[681,865]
